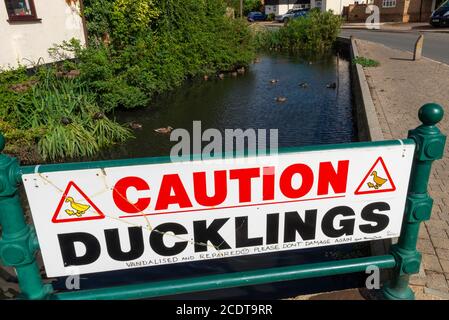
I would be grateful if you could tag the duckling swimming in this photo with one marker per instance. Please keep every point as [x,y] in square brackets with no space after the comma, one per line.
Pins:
[281,99]
[135,125]
[164,130]
[331,85]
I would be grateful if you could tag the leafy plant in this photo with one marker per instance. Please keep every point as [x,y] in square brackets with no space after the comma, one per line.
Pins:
[137,49]
[317,31]
[248,5]
[271,16]
[131,19]
[365,62]
[60,114]
[143,57]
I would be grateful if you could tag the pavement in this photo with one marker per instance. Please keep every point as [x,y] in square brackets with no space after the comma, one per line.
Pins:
[399,87]
[365,294]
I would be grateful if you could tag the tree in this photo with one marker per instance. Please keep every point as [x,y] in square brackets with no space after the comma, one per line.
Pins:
[245,5]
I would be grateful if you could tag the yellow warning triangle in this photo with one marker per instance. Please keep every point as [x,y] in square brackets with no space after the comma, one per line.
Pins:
[376,180]
[75,205]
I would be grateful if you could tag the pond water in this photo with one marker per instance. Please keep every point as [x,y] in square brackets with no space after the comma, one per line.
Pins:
[312,115]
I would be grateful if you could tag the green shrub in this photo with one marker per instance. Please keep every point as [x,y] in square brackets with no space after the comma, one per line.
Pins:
[60,114]
[137,49]
[248,5]
[155,53]
[317,32]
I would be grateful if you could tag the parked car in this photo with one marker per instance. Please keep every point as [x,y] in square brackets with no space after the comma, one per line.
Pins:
[256,16]
[301,13]
[291,14]
[440,17]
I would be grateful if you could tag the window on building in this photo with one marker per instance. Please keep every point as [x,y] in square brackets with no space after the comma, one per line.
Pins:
[21,10]
[389,3]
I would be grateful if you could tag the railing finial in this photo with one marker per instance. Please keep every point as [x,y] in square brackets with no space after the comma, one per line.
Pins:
[430,114]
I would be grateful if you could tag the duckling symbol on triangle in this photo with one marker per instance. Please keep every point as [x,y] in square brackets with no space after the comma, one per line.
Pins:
[376,180]
[75,205]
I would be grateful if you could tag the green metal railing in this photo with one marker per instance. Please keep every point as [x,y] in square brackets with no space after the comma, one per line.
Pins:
[18,242]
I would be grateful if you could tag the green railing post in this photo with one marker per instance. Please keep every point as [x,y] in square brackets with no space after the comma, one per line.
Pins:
[429,147]
[18,242]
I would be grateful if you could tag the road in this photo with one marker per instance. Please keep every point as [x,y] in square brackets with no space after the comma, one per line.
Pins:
[436,45]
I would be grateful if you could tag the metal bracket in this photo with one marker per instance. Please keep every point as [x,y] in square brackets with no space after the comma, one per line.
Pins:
[19,248]
[407,262]
[419,208]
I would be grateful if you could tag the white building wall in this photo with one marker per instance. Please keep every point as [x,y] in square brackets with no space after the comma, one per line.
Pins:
[270,9]
[321,4]
[283,8]
[335,5]
[278,9]
[27,42]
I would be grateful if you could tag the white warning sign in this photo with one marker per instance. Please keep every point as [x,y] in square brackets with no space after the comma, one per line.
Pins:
[124,217]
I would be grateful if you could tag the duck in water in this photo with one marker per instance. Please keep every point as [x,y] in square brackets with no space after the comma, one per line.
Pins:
[164,130]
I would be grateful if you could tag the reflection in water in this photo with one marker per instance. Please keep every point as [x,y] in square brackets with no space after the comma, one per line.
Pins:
[311,114]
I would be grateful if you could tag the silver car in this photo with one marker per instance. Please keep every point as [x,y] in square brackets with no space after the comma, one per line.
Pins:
[289,15]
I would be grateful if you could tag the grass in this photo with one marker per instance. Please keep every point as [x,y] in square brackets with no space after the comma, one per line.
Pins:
[57,117]
[366,62]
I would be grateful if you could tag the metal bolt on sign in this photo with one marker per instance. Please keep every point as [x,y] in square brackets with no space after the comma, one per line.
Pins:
[19,244]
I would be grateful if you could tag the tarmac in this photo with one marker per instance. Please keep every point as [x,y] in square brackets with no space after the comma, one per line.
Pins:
[396,27]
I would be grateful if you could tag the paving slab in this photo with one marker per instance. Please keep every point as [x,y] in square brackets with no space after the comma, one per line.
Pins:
[399,87]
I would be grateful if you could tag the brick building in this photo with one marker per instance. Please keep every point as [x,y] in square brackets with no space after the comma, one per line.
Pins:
[395,10]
